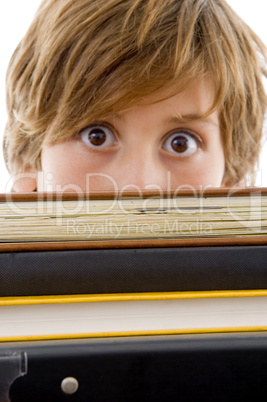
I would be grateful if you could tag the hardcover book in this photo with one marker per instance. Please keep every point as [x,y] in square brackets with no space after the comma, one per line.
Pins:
[84,316]
[89,220]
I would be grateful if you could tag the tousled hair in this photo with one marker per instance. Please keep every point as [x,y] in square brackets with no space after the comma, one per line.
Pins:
[84,59]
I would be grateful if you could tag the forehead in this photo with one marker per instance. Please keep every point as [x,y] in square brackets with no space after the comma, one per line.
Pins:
[190,104]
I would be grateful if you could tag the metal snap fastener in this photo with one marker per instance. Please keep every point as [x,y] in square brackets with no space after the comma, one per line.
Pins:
[69,385]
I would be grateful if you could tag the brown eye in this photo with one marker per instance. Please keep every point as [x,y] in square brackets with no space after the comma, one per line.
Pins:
[98,136]
[179,143]
[182,143]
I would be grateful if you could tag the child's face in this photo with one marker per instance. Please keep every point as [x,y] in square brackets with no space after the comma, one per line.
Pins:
[145,147]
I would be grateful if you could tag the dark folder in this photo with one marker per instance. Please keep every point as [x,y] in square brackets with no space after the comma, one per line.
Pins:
[223,367]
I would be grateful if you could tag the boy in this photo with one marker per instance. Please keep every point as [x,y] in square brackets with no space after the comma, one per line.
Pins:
[134,94]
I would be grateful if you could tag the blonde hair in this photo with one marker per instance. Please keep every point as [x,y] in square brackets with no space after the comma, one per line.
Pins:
[84,59]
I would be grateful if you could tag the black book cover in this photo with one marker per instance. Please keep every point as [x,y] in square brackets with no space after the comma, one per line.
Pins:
[58,272]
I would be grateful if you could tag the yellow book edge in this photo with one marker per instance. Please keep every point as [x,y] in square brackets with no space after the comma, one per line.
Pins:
[133,333]
[100,298]
[35,300]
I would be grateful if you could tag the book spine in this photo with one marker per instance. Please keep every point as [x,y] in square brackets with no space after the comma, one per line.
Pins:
[133,270]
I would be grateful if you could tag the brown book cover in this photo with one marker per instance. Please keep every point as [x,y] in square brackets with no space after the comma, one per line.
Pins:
[256,195]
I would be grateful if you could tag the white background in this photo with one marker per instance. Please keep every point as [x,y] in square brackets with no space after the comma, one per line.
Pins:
[16,15]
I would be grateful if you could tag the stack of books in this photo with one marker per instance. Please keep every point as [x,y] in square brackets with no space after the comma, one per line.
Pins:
[135,283]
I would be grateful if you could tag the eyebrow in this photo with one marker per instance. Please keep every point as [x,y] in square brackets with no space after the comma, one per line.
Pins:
[192,117]
[185,118]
